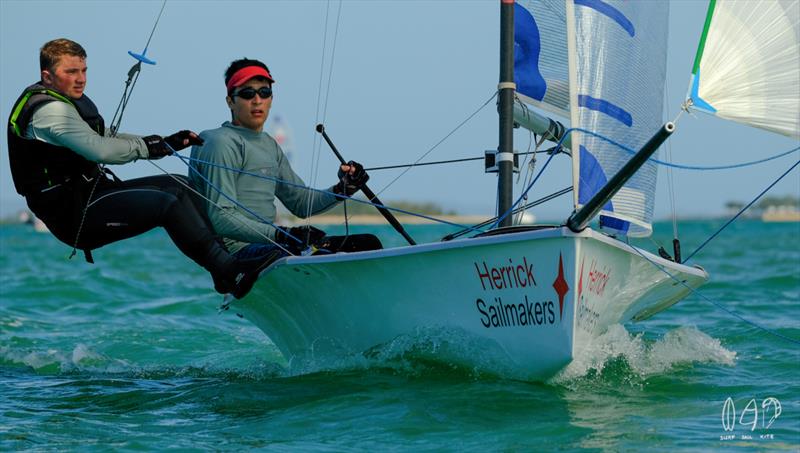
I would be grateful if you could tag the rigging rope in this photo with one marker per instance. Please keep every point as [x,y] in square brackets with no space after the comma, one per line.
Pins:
[525,192]
[466,159]
[672,197]
[224,211]
[565,151]
[741,212]
[529,168]
[322,101]
[685,167]
[494,94]
[188,160]
[519,209]
[681,166]
[717,304]
[715,167]
[422,164]
[232,200]
[154,28]
[133,76]
[671,183]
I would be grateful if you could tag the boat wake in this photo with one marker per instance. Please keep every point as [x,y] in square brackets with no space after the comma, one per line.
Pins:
[457,353]
[428,352]
[617,348]
[53,361]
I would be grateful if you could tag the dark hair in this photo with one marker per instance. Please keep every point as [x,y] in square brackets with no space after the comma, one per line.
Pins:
[239,64]
[53,50]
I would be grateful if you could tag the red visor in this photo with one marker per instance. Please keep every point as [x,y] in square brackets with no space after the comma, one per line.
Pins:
[243,75]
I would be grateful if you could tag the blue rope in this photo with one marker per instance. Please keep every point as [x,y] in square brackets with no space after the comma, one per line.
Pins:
[741,211]
[726,167]
[187,161]
[530,186]
[717,304]
[687,167]
[718,167]
[251,212]
[682,166]
[656,161]
[558,145]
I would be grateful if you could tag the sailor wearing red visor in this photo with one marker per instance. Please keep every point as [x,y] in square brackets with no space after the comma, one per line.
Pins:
[239,203]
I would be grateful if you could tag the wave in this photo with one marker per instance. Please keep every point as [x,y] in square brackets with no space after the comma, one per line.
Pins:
[439,351]
[430,352]
[617,349]
[80,358]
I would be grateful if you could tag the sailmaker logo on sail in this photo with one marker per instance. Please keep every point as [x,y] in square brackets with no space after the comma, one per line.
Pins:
[516,275]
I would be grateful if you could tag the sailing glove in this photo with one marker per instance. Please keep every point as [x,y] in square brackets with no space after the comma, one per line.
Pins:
[182,139]
[298,238]
[156,147]
[351,181]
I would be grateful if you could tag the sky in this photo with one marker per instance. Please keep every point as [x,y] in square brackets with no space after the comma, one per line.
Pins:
[404,75]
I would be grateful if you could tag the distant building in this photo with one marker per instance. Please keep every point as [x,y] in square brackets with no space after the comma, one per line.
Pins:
[781,214]
[770,209]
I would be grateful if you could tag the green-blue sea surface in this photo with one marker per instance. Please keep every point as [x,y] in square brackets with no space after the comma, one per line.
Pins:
[131,353]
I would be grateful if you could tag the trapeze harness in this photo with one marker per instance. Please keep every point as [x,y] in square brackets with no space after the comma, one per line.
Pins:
[54,180]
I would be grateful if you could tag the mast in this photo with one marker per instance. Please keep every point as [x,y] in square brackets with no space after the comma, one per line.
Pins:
[506,87]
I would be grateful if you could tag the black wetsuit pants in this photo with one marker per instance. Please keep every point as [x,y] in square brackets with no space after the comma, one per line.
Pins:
[123,209]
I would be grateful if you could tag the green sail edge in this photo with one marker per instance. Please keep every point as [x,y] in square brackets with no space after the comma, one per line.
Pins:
[701,46]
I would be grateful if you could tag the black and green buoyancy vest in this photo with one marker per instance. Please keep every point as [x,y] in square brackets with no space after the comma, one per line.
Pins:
[38,165]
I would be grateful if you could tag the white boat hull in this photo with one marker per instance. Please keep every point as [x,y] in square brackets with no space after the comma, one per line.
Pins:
[534,297]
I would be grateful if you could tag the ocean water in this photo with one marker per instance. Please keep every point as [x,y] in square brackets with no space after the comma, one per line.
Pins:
[131,354]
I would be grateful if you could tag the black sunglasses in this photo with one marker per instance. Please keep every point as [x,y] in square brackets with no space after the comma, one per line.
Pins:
[249,93]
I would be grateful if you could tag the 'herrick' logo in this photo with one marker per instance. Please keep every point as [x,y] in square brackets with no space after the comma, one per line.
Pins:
[520,307]
[598,278]
[586,314]
[506,277]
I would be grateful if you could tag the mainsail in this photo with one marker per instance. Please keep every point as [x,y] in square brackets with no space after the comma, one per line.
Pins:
[747,67]
[616,65]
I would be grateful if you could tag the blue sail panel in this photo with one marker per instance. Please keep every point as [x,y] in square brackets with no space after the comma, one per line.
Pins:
[613,13]
[541,69]
[601,105]
[527,47]
[592,178]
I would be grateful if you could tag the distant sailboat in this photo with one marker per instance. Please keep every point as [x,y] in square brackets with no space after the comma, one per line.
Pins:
[39,226]
[533,297]
[26,217]
[280,131]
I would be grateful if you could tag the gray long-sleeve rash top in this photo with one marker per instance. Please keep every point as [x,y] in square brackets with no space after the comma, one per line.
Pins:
[233,147]
[59,123]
